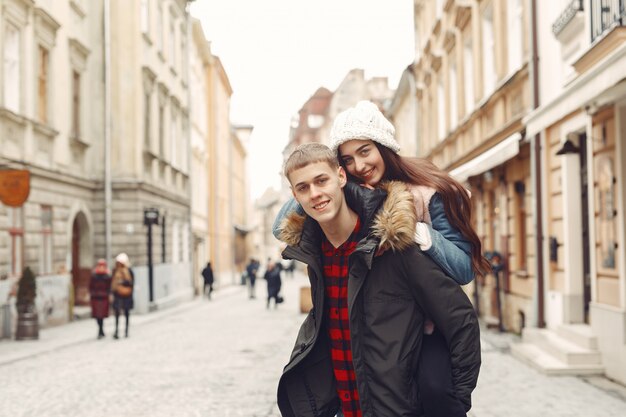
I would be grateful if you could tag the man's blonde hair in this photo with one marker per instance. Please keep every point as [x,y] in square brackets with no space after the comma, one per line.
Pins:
[309,153]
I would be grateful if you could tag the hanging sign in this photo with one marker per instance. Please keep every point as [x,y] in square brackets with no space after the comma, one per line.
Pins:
[14,187]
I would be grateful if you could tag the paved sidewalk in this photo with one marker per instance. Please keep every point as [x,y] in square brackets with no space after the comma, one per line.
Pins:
[86,329]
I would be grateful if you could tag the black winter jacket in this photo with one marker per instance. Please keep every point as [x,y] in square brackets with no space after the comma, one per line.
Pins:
[389,296]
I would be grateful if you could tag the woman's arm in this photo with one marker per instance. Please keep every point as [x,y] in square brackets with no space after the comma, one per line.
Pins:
[447,246]
[289,207]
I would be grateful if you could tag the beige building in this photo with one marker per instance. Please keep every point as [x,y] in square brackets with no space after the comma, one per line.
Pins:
[94,104]
[51,118]
[240,200]
[525,105]
[220,139]
[473,89]
[149,143]
[200,59]
[403,112]
[580,123]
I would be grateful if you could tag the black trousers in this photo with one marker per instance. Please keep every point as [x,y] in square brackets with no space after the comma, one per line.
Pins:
[435,379]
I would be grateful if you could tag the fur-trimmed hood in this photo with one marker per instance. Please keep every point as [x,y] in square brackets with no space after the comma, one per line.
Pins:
[391,222]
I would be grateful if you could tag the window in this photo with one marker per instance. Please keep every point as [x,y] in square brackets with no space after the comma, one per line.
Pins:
[45,256]
[185,255]
[12,80]
[468,75]
[161,130]
[42,84]
[147,109]
[183,50]
[160,29]
[16,234]
[519,209]
[453,92]
[489,63]
[607,213]
[76,131]
[175,243]
[172,43]
[438,9]
[514,34]
[441,111]
[174,140]
[145,16]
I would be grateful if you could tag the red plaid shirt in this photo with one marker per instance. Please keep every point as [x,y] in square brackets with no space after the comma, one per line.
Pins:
[335,263]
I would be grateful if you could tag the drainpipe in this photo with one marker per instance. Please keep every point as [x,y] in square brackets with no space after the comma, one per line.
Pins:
[536,173]
[107,129]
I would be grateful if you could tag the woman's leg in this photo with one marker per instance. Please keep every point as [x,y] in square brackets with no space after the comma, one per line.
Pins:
[435,379]
[117,320]
[100,329]
[127,314]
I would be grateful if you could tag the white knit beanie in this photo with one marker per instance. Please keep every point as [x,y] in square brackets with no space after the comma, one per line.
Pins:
[123,259]
[363,121]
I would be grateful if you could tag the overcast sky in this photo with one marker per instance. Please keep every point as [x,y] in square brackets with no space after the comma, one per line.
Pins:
[278,52]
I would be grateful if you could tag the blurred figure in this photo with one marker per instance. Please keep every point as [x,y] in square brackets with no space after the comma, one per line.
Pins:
[207,274]
[252,269]
[291,265]
[99,290]
[122,287]
[272,276]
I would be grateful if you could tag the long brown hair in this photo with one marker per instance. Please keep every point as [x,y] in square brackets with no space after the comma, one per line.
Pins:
[456,201]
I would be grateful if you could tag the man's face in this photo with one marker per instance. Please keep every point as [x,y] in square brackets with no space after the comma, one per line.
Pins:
[318,188]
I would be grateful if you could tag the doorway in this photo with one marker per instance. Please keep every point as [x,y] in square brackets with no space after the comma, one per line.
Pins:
[81,268]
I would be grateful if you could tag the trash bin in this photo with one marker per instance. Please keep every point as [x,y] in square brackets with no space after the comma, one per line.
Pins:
[306,303]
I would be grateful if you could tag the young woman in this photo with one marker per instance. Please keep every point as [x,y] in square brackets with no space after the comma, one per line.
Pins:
[122,286]
[364,141]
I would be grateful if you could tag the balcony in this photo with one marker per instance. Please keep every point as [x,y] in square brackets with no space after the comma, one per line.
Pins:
[605,15]
[567,16]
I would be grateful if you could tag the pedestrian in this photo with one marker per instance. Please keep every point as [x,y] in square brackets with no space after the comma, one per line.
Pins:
[99,291]
[272,276]
[251,269]
[364,142]
[372,287]
[122,285]
[207,275]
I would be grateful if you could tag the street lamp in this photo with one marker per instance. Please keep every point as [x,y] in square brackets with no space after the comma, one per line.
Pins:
[150,217]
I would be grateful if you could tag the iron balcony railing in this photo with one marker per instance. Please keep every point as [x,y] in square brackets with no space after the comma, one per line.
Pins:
[606,14]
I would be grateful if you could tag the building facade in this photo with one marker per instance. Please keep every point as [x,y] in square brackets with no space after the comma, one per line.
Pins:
[199,60]
[524,104]
[473,90]
[51,118]
[95,105]
[581,125]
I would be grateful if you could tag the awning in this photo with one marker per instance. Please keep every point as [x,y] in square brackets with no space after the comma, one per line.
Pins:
[493,157]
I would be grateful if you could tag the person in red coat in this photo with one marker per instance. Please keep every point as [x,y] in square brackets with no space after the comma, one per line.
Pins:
[99,290]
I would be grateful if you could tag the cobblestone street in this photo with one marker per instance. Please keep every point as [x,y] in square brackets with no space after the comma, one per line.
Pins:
[224,357]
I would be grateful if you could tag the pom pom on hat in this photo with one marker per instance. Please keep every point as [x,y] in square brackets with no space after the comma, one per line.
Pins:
[363,121]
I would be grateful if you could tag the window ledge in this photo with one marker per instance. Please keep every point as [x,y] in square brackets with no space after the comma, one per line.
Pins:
[522,273]
[45,129]
[146,38]
[14,117]
[78,142]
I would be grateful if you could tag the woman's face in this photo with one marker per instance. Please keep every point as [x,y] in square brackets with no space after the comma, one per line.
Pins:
[363,160]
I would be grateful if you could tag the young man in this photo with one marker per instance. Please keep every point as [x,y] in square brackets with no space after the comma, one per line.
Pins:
[357,351]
